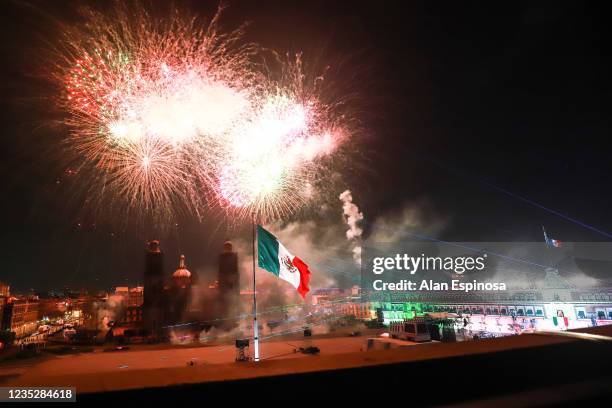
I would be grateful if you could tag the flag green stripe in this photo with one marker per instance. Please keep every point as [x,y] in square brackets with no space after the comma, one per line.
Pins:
[267,251]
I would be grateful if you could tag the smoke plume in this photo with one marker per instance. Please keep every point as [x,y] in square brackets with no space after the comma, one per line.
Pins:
[110,310]
[353,217]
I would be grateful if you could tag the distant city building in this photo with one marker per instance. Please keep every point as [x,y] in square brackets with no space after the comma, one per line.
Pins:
[5,290]
[556,305]
[133,314]
[323,295]
[356,309]
[179,296]
[5,294]
[228,282]
[122,291]
[319,299]
[328,292]
[136,296]
[3,301]
[51,307]
[130,296]
[167,301]
[21,316]
[154,303]
[130,324]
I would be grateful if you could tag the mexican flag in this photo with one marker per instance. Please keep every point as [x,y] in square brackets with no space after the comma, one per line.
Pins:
[274,257]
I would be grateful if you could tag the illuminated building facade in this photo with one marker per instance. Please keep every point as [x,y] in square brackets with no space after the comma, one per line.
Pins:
[133,314]
[3,301]
[135,296]
[4,297]
[122,291]
[21,316]
[5,290]
[555,306]
[131,296]
[359,310]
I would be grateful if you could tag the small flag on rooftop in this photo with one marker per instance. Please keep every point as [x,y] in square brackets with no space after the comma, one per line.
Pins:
[551,242]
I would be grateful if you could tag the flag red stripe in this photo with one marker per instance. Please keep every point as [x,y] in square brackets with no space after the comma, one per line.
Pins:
[303,289]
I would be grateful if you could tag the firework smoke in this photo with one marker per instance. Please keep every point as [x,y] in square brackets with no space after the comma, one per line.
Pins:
[109,311]
[352,217]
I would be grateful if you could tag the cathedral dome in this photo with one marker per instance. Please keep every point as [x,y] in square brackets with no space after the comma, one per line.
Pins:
[182,276]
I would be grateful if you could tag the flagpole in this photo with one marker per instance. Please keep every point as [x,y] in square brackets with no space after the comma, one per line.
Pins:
[548,257]
[255,325]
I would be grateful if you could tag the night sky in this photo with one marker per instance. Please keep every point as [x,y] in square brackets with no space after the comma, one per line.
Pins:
[459,100]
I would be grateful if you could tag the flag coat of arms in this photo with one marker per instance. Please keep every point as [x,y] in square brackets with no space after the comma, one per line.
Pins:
[275,258]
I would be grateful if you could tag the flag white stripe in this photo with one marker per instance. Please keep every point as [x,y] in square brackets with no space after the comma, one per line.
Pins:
[287,271]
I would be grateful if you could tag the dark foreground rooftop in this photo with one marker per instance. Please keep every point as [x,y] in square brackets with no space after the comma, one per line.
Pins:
[527,370]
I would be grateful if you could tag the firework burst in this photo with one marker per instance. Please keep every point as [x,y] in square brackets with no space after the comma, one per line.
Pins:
[146,96]
[272,158]
[172,117]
